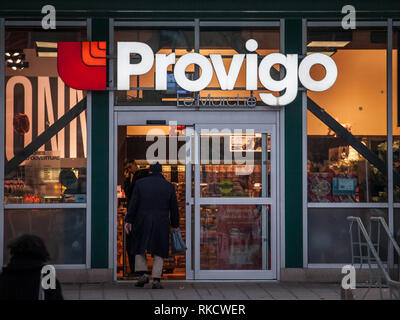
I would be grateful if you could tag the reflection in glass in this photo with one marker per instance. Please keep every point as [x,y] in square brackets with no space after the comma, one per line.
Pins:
[234,237]
[337,172]
[36,97]
[328,233]
[62,230]
[396,113]
[235,165]
[396,234]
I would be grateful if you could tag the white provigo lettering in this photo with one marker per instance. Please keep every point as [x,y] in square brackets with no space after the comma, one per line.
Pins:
[227,79]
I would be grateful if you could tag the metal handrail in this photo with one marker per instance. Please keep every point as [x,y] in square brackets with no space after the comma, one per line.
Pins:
[394,243]
[391,283]
[389,234]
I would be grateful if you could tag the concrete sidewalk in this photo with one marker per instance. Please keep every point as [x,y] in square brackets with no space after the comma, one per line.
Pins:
[211,291]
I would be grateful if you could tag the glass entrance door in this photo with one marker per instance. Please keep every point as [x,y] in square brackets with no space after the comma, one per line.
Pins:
[234,202]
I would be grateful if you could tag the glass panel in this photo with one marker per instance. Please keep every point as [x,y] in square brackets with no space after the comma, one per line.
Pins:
[35,98]
[62,230]
[193,237]
[235,164]
[235,237]
[396,233]
[396,218]
[142,93]
[396,114]
[337,171]
[228,42]
[329,237]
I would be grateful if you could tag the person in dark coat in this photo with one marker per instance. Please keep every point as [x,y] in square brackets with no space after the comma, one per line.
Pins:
[20,279]
[153,210]
[132,174]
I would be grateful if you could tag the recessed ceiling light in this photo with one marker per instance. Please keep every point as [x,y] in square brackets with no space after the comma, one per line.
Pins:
[328,43]
[328,53]
[43,44]
[47,54]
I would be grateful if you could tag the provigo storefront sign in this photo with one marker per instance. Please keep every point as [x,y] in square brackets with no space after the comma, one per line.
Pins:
[82,65]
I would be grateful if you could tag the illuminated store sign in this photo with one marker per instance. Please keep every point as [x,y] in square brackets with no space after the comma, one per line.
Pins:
[82,65]
[91,56]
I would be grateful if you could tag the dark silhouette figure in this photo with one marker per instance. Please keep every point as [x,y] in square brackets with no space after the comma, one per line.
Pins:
[20,279]
[132,175]
[153,210]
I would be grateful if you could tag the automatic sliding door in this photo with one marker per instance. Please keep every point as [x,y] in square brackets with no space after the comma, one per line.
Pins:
[235,203]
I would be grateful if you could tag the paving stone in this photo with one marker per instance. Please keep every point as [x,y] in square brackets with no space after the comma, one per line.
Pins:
[232,292]
[139,294]
[186,292]
[255,292]
[303,294]
[203,284]
[91,295]
[115,294]
[278,292]
[209,294]
[91,292]
[373,294]
[162,294]
[281,295]
[327,294]
[71,294]
[68,286]
[214,291]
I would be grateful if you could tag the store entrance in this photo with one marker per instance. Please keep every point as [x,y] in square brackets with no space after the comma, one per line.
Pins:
[138,147]
[225,176]
[235,207]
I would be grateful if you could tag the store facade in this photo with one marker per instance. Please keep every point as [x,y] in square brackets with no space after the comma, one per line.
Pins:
[272,205]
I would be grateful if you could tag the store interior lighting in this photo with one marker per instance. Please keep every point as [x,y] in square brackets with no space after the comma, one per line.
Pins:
[328,53]
[44,44]
[328,44]
[47,54]
[15,60]
[46,49]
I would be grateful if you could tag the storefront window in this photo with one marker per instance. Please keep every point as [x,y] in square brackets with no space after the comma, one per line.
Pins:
[142,93]
[329,237]
[62,230]
[396,114]
[347,142]
[396,233]
[36,97]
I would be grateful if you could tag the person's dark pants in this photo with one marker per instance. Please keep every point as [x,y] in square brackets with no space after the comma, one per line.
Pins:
[131,257]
